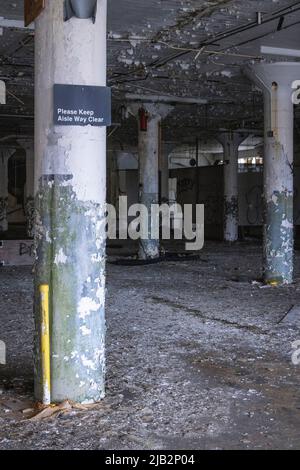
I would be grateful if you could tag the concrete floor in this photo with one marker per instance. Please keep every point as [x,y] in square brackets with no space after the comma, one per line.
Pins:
[196,360]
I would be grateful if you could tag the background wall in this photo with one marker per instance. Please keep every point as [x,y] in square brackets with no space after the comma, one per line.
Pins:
[205,185]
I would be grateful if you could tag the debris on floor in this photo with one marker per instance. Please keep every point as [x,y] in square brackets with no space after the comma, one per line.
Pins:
[200,367]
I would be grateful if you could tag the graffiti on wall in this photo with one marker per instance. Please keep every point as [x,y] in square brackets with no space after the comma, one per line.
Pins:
[254,205]
[16,253]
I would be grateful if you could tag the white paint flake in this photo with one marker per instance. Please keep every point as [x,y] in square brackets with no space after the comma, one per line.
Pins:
[88,363]
[60,258]
[86,306]
[85,331]
[287,224]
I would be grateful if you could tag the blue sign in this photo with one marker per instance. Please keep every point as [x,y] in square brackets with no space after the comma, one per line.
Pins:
[76,105]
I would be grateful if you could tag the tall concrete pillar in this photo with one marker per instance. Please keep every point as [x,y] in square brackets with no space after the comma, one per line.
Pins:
[28,146]
[148,144]
[148,149]
[276,82]
[5,154]
[231,142]
[70,195]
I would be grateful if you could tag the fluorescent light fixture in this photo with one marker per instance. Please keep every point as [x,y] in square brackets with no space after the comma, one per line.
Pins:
[280,51]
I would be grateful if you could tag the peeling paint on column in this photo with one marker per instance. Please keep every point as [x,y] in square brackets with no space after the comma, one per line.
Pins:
[148,178]
[279,239]
[77,289]
[278,246]
[231,142]
[70,190]
[148,170]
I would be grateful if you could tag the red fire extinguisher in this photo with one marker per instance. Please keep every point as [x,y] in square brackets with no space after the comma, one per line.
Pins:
[143,120]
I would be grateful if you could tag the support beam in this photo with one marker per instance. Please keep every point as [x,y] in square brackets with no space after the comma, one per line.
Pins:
[148,145]
[276,82]
[148,173]
[70,195]
[148,148]
[231,142]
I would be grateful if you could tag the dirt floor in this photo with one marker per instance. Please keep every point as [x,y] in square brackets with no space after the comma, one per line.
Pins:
[198,358]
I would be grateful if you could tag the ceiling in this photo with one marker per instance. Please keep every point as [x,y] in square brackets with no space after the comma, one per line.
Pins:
[178,48]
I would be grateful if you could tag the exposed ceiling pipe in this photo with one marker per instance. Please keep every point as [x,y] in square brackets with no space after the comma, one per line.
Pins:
[280,51]
[278,14]
[221,36]
[164,99]
[248,41]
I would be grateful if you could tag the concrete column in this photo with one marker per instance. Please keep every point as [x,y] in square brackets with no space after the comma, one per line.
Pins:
[276,82]
[148,148]
[5,154]
[28,146]
[231,142]
[70,195]
[148,177]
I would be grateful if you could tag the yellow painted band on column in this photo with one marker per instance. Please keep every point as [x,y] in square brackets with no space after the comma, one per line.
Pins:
[45,344]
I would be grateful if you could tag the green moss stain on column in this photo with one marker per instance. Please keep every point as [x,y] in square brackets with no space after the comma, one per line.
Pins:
[70,247]
[279,236]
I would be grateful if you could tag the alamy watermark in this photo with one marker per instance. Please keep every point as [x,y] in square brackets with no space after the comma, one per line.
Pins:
[155,222]
[296,93]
